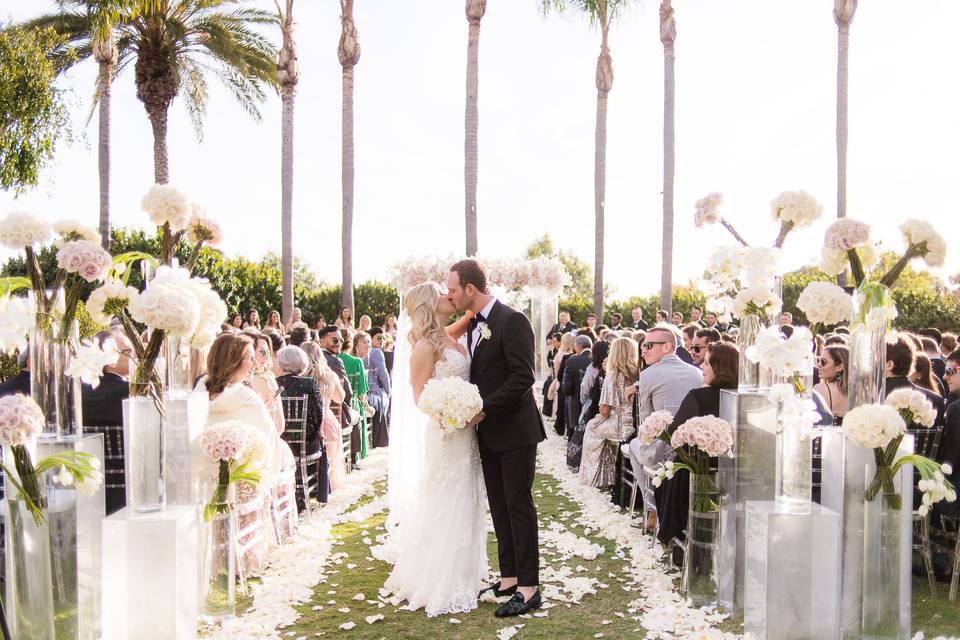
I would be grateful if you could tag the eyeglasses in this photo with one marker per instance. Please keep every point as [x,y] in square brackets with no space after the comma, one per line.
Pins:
[263,352]
[950,371]
[646,346]
[336,340]
[696,348]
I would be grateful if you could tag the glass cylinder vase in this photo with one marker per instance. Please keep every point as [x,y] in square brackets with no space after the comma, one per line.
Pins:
[700,576]
[177,358]
[750,326]
[56,393]
[868,347]
[29,605]
[219,563]
[143,448]
[793,482]
[882,565]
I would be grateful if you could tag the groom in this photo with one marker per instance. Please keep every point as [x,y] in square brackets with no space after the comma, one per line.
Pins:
[501,344]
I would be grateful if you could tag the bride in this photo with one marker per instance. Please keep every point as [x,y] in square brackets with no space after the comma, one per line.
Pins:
[437,525]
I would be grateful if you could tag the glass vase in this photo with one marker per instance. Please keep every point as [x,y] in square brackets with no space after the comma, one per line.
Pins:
[56,393]
[177,358]
[881,564]
[750,326]
[143,444]
[28,577]
[219,563]
[793,482]
[868,347]
[700,575]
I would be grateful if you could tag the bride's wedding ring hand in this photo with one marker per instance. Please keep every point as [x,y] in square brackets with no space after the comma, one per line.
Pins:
[477,419]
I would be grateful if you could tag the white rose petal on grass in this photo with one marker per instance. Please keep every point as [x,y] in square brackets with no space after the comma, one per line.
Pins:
[344,609]
[372,619]
[453,621]
[359,597]
[346,626]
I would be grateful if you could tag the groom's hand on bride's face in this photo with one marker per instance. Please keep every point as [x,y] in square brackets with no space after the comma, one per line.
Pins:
[477,419]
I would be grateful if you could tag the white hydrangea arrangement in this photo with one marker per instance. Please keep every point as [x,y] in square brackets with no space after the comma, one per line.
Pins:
[825,303]
[452,402]
[167,207]
[794,210]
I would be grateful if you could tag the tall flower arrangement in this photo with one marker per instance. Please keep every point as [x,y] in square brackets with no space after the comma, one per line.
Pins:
[792,209]
[238,450]
[695,442]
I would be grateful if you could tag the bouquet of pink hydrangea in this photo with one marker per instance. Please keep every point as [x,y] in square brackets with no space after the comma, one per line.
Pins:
[238,449]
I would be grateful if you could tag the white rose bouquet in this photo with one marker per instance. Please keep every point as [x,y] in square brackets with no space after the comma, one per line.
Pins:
[451,401]
[757,300]
[824,303]
[654,427]
[794,210]
[21,421]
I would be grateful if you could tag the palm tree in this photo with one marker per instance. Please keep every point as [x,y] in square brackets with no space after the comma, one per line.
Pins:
[287,77]
[475,10]
[668,34]
[601,12]
[95,19]
[172,43]
[349,54]
[843,11]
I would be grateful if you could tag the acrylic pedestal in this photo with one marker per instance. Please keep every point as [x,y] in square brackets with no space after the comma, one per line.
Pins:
[151,575]
[186,416]
[845,470]
[792,573]
[751,475]
[75,543]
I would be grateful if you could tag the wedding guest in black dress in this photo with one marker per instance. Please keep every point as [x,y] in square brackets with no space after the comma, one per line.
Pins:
[720,371]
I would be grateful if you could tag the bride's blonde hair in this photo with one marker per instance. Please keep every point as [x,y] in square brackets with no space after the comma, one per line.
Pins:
[421,305]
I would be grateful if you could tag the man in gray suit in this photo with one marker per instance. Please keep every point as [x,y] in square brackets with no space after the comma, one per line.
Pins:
[662,385]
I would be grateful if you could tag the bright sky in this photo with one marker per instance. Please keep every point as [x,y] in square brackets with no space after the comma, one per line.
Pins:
[756,91]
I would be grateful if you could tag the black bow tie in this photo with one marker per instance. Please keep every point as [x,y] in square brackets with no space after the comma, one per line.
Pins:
[477,320]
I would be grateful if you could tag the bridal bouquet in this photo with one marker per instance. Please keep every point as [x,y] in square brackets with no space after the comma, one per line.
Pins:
[881,427]
[21,421]
[452,402]
[238,451]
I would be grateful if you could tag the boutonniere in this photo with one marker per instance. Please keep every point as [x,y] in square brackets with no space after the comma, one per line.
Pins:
[485,332]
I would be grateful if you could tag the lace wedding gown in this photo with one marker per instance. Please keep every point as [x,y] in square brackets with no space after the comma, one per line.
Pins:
[440,551]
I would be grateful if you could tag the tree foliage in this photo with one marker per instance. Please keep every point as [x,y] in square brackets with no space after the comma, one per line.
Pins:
[33,113]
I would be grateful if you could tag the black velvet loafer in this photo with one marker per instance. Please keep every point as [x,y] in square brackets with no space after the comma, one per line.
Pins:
[515,606]
[497,592]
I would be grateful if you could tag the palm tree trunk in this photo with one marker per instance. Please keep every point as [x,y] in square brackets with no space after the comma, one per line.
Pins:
[103,151]
[842,55]
[604,82]
[286,202]
[475,10]
[347,185]
[666,273]
[158,122]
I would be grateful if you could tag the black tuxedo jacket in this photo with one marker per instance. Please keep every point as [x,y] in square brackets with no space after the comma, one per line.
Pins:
[19,383]
[640,324]
[103,406]
[562,328]
[502,367]
[900,382]
[578,362]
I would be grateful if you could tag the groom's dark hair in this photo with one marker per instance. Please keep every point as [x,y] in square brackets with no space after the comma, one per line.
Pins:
[470,271]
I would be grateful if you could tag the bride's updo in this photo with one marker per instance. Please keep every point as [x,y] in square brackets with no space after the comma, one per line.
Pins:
[421,305]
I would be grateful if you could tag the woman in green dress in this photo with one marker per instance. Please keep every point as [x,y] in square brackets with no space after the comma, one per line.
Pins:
[357,376]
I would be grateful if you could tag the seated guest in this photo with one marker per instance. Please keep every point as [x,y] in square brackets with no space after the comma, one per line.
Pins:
[263,380]
[330,342]
[364,323]
[603,434]
[592,381]
[949,450]
[559,364]
[688,333]
[696,316]
[237,321]
[253,319]
[712,320]
[390,326]
[565,325]
[379,338]
[698,347]
[720,371]
[948,344]
[931,339]
[276,343]
[676,318]
[296,320]
[331,391]
[923,375]
[20,383]
[298,335]
[663,384]
[103,405]
[636,315]
[344,319]
[273,322]
[293,384]
[378,383]
[569,382]
[320,322]
[899,367]
[836,339]
[662,316]
[833,385]
[353,367]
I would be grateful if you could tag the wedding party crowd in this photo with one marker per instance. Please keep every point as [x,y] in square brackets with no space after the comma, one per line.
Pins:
[607,379]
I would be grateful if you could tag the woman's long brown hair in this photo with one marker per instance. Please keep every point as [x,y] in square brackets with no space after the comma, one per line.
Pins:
[225,357]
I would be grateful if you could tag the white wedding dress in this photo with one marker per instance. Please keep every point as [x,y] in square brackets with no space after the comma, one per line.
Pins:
[439,549]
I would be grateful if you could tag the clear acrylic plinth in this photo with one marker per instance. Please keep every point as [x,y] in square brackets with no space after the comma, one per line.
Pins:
[75,524]
[151,576]
[750,475]
[186,415]
[792,573]
[846,467]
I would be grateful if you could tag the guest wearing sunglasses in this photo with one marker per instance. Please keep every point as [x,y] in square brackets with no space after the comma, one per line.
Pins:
[833,364]
[698,346]
[949,450]
[331,343]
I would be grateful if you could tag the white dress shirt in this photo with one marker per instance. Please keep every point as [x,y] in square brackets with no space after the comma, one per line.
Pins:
[475,336]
